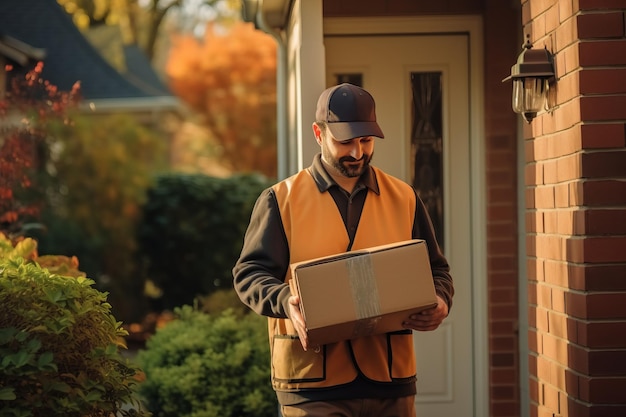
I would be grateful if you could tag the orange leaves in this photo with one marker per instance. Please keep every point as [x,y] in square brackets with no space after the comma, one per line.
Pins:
[30,104]
[230,78]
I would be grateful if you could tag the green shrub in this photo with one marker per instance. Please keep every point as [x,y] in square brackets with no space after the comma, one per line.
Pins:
[221,300]
[102,166]
[202,365]
[59,343]
[192,232]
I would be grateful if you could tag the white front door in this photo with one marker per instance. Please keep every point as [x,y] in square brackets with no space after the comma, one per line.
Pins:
[385,64]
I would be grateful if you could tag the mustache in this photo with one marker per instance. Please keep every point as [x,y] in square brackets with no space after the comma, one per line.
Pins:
[352,159]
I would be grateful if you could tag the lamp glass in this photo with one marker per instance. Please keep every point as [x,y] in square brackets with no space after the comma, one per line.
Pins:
[529,94]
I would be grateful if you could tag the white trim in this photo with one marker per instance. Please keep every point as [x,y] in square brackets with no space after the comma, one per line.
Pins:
[306,63]
[473,26]
[146,104]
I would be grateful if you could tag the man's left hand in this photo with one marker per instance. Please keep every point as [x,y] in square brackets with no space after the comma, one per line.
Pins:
[430,319]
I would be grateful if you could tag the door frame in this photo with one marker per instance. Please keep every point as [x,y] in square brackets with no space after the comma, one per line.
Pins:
[471,25]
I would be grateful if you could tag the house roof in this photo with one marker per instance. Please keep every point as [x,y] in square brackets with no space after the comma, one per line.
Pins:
[69,57]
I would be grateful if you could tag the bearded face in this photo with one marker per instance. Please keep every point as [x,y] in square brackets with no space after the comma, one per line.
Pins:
[350,158]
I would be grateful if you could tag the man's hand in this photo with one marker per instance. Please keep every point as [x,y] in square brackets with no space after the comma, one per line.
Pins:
[298,321]
[428,319]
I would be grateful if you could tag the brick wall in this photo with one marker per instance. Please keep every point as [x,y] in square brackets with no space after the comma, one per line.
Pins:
[575,179]
[502,43]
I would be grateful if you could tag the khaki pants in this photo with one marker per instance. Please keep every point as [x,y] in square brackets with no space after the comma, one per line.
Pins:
[369,407]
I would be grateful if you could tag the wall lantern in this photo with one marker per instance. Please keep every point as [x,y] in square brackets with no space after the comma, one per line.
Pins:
[532,75]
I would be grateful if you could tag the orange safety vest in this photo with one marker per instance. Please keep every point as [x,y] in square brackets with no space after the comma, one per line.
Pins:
[314,228]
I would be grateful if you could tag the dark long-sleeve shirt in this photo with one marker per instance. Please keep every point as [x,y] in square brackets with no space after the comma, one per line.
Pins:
[260,271]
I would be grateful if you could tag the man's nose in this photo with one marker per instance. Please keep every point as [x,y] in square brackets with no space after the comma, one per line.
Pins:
[357,151]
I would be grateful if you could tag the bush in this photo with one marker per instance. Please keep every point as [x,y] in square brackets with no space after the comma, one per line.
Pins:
[222,300]
[192,232]
[59,343]
[102,166]
[202,365]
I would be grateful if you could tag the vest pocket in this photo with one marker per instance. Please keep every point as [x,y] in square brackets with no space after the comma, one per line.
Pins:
[403,359]
[292,364]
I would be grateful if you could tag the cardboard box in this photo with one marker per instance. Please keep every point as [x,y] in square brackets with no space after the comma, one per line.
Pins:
[364,292]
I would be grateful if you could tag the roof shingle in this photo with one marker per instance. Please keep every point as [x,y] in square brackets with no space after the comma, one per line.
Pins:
[69,56]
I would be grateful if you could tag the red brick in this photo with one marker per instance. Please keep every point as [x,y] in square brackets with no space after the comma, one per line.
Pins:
[600,222]
[503,344]
[533,174]
[604,390]
[600,363]
[603,135]
[504,409]
[505,228]
[607,363]
[569,167]
[603,108]
[602,81]
[502,376]
[601,334]
[504,312]
[606,306]
[600,4]
[502,194]
[600,25]
[597,277]
[395,7]
[596,249]
[565,10]
[499,360]
[567,60]
[578,408]
[602,53]
[603,192]
[577,358]
[551,399]
[572,380]
[544,197]
[503,392]
[604,163]
[503,327]
[503,296]
[532,296]
[605,249]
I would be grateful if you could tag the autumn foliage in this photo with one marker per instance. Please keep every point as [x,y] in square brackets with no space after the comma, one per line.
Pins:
[230,78]
[29,105]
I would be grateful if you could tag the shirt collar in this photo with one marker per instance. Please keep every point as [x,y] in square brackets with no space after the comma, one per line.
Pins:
[324,181]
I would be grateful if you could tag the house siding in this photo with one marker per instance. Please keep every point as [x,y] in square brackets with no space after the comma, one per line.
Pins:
[575,176]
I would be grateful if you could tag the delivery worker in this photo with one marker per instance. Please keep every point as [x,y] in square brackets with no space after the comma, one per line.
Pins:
[339,203]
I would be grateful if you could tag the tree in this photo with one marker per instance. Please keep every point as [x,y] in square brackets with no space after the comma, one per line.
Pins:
[103,167]
[26,112]
[230,78]
[143,23]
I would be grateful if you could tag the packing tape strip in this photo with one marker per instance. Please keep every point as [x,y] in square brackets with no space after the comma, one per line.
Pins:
[363,286]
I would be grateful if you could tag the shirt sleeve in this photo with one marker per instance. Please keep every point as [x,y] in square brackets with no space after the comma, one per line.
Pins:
[259,273]
[423,229]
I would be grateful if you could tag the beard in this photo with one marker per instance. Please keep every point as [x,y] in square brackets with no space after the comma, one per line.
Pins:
[347,165]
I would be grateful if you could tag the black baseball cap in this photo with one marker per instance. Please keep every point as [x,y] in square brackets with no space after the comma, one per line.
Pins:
[349,111]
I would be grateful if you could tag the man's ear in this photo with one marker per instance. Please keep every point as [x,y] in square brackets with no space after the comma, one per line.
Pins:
[318,133]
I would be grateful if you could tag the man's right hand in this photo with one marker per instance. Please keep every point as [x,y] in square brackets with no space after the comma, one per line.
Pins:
[298,321]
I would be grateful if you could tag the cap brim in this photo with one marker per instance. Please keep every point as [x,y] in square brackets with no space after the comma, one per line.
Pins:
[349,130]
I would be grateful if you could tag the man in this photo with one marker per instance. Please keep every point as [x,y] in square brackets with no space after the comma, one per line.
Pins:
[338,204]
